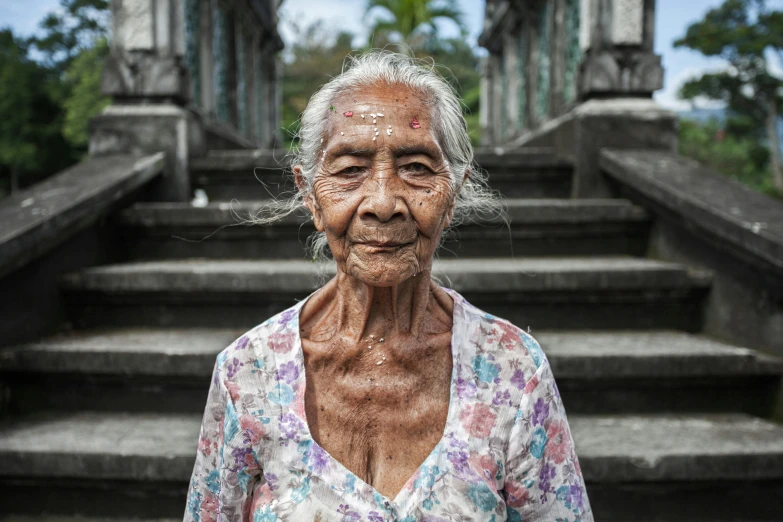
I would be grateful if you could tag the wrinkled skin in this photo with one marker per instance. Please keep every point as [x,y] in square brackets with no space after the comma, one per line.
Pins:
[383,204]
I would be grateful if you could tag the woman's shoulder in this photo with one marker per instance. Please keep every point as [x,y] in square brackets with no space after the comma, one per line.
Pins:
[501,341]
[248,353]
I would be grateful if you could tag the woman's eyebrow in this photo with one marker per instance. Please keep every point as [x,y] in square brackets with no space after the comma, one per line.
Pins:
[350,150]
[410,150]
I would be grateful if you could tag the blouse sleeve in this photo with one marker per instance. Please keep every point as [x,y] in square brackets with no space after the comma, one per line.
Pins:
[543,479]
[226,467]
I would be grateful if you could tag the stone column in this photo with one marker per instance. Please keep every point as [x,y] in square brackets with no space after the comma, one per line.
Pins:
[146,77]
[616,37]
[485,87]
[147,49]
[496,97]
[559,42]
[513,83]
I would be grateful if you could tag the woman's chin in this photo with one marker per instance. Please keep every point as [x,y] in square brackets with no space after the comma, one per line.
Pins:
[384,272]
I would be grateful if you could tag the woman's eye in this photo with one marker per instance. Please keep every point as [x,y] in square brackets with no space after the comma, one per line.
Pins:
[416,168]
[351,171]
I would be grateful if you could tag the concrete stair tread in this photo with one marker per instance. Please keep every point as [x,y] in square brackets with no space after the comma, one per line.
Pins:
[135,446]
[573,354]
[612,449]
[625,448]
[123,351]
[485,275]
[519,212]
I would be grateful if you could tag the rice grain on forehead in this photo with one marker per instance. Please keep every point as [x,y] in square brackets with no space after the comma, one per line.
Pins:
[469,183]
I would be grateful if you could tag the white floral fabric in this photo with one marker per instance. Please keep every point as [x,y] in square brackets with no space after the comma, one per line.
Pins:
[506,452]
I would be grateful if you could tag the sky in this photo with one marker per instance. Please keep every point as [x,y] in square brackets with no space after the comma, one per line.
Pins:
[672,19]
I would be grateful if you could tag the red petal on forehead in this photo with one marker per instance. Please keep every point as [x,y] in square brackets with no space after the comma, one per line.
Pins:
[348,114]
[415,124]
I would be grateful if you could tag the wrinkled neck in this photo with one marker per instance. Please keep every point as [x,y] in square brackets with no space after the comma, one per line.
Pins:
[365,310]
[351,309]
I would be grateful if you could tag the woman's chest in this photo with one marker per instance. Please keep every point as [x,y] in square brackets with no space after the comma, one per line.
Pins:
[380,427]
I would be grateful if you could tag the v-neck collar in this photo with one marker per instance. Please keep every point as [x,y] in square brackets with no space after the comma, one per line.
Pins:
[402,500]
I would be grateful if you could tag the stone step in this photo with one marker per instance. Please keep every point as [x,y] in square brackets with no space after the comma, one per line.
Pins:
[652,467]
[260,174]
[534,227]
[595,292]
[154,369]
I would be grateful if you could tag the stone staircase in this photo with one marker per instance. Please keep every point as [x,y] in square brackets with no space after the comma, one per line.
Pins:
[668,423]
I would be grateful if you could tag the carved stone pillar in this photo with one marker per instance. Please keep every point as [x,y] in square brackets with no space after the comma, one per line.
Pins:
[485,87]
[146,76]
[511,120]
[147,51]
[616,38]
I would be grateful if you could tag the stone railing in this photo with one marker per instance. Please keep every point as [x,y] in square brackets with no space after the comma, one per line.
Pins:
[188,76]
[56,226]
[547,56]
[710,222]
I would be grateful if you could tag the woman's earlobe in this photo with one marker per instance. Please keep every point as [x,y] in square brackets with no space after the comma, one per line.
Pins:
[315,210]
[450,213]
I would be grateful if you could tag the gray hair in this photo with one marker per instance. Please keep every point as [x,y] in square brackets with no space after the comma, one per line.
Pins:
[469,183]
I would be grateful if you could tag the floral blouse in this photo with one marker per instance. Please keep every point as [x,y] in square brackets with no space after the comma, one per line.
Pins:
[506,451]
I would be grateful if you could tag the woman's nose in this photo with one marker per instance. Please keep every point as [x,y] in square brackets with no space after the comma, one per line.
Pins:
[383,201]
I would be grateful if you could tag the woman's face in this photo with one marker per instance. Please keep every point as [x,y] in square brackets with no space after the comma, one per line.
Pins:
[382,191]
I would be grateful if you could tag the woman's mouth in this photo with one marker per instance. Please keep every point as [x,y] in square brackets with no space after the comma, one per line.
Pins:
[384,246]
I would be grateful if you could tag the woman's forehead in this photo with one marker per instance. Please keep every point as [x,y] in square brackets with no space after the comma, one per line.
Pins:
[381,101]
[381,116]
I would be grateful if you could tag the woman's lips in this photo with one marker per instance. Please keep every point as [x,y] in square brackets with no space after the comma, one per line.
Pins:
[384,246]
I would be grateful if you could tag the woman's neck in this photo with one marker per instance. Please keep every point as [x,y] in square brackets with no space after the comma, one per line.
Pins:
[357,311]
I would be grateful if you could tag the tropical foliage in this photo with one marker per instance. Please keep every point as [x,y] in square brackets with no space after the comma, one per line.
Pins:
[747,34]
[47,102]
[410,23]
[741,158]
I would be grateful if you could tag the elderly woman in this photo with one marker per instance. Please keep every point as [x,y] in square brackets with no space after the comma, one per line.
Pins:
[383,396]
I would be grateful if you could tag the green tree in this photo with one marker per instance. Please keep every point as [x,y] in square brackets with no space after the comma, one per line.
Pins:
[31,143]
[741,158]
[313,58]
[456,61]
[744,33]
[408,22]
[76,27]
[84,99]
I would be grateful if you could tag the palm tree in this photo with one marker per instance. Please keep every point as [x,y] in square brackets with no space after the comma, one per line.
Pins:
[410,19]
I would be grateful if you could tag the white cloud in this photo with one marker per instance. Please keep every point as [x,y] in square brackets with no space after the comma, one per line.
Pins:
[667,96]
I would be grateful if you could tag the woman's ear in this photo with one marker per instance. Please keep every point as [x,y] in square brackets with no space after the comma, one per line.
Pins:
[450,212]
[309,198]
[299,178]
